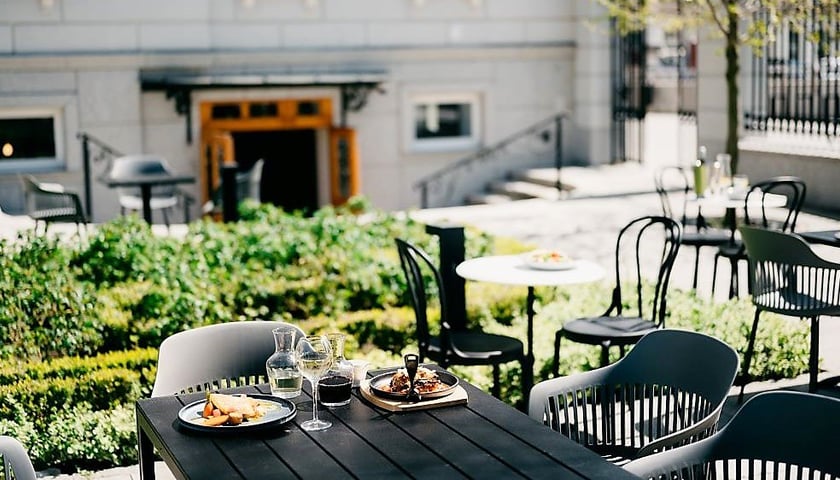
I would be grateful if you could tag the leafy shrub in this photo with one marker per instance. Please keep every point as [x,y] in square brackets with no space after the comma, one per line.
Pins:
[39,399]
[78,438]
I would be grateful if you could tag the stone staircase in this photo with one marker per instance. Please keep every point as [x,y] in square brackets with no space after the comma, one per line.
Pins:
[523,184]
[577,182]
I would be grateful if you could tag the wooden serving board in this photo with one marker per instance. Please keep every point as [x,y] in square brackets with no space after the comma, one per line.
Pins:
[457,397]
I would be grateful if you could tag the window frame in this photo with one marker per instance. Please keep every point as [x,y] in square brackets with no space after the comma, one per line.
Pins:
[37,164]
[442,145]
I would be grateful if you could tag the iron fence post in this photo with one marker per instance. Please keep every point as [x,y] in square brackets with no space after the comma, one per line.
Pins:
[86,167]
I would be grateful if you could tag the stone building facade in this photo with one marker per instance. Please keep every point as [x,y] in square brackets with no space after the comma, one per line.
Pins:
[487,67]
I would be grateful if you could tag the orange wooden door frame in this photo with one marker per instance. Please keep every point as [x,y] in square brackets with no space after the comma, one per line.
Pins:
[280,114]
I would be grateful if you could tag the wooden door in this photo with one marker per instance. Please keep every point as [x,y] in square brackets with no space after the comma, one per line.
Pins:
[344,165]
[217,150]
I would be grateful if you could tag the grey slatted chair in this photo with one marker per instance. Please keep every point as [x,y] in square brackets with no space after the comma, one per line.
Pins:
[216,356]
[775,435]
[15,460]
[666,392]
[51,202]
[788,278]
[453,347]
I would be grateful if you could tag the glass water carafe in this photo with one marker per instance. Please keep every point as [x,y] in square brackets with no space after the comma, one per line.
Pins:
[281,367]
[334,387]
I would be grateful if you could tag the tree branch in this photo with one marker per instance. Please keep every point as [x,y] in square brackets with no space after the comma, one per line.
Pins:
[713,11]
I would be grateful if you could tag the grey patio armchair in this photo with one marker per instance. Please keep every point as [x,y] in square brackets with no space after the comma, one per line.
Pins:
[775,435]
[788,278]
[666,392]
[216,356]
[15,460]
[51,202]
[164,197]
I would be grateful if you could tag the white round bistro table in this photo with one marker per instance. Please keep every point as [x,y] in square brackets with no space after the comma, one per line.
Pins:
[512,270]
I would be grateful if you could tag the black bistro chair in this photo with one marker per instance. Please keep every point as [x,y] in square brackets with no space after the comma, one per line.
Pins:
[452,347]
[788,278]
[642,236]
[757,213]
[673,187]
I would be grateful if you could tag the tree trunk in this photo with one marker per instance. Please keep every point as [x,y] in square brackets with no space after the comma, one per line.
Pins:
[732,67]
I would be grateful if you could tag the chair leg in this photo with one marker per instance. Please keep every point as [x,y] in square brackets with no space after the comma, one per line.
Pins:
[733,277]
[696,265]
[745,372]
[555,368]
[714,273]
[496,391]
[814,357]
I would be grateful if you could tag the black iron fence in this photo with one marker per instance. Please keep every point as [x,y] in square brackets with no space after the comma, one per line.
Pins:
[795,83]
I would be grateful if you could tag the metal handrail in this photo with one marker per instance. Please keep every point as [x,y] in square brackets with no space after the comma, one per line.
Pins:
[556,119]
[105,150]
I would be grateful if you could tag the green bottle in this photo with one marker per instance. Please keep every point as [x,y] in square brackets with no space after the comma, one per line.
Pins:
[701,173]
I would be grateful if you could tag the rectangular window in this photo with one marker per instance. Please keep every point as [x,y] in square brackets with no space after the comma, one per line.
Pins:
[444,122]
[29,140]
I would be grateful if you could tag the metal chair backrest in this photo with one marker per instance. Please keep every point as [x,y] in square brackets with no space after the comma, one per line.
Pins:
[641,237]
[775,435]
[132,165]
[756,213]
[673,179]
[787,277]
[411,258]
[667,391]
[216,356]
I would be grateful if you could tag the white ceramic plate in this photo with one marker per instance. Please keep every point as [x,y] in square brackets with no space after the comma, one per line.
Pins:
[278,411]
[544,260]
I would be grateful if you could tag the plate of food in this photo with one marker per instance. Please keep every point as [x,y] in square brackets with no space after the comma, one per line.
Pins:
[221,412]
[428,383]
[548,260]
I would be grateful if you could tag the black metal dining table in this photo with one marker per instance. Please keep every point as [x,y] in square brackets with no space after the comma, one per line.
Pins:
[145,182]
[485,438]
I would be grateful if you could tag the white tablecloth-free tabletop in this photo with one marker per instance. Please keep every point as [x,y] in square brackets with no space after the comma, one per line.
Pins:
[512,270]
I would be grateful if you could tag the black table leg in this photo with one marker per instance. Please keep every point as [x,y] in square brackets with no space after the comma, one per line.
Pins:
[146,193]
[146,454]
[528,370]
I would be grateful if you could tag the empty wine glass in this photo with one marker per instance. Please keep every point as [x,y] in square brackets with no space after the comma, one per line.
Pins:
[314,358]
